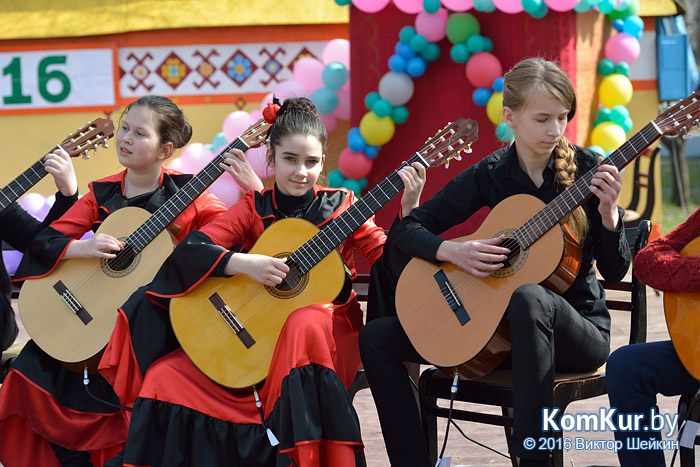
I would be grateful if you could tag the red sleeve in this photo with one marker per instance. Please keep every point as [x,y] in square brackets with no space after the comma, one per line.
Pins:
[368,239]
[238,225]
[661,265]
[79,218]
[205,208]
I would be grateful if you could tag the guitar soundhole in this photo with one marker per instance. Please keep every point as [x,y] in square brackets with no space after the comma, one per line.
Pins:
[516,258]
[125,262]
[293,284]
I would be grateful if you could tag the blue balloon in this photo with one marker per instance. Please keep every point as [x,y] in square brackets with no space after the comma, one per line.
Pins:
[334,75]
[618,24]
[597,149]
[415,67]
[405,50]
[355,140]
[371,152]
[397,63]
[633,25]
[219,140]
[498,84]
[326,100]
[481,96]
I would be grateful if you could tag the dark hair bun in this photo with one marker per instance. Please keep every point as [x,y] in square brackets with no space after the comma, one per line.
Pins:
[301,105]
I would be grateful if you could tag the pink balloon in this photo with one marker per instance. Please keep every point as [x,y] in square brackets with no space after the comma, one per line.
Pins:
[342,111]
[235,124]
[194,157]
[337,50]
[176,164]
[308,71]
[255,115]
[458,5]
[482,68]
[226,189]
[409,6]
[354,165]
[11,258]
[509,6]
[370,6]
[561,5]
[432,26]
[266,99]
[330,121]
[622,48]
[258,159]
[290,88]
[33,203]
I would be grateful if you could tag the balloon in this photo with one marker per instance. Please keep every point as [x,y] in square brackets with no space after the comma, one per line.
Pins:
[431,52]
[459,53]
[408,6]
[258,159]
[432,26]
[371,98]
[220,139]
[329,121]
[622,48]
[481,96]
[623,68]
[532,6]
[396,88]
[11,259]
[618,24]
[33,204]
[494,107]
[475,44]
[226,189]
[460,26]
[325,99]
[334,75]
[194,157]
[176,164]
[371,152]
[606,66]
[633,25]
[604,114]
[618,114]
[498,84]
[415,67]
[354,164]
[418,43]
[509,6]
[504,132]
[606,6]
[355,140]
[404,50]
[370,6]
[307,71]
[267,99]
[482,68]
[235,124]
[406,34]
[337,50]
[397,63]
[597,149]
[458,5]
[399,114]
[486,6]
[615,89]
[431,6]
[342,111]
[290,88]
[561,5]
[376,131]
[541,12]
[608,136]
[382,108]
[627,125]
[335,179]
[343,2]
[354,185]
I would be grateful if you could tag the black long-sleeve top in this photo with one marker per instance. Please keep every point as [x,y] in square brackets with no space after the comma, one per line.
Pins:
[497,177]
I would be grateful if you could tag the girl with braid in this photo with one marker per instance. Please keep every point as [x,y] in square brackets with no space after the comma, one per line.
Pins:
[568,332]
[181,417]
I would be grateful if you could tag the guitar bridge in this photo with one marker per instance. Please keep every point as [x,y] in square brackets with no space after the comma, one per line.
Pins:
[234,323]
[72,302]
[450,296]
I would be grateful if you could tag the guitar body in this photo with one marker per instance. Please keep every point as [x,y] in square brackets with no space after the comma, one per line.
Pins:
[98,287]
[208,338]
[681,310]
[483,341]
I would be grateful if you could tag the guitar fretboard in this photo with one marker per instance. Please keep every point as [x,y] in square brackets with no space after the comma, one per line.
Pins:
[580,190]
[20,185]
[338,229]
[172,208]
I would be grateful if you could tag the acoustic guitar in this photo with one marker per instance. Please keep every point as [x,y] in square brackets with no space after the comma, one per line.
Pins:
[79,142]
[71,312]
[229,326]
[681,310]
[455,319]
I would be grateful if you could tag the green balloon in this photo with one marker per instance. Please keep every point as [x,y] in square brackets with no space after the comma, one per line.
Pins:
[335,179]
[382,108]
[460,26]
[459,53]
[531,6]
[627,125]
[399,114]
[353,185]
[371,98]
[606,67]
[618,114]
[542,12]
[418,43]
[623,68]
[604,114]
[407,33]
[431,52]
[431,6]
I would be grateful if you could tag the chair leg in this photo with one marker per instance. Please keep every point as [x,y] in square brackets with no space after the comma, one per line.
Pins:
[508,412]
[427,404]
[687,457]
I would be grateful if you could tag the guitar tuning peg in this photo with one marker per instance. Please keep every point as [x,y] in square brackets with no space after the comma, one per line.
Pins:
[85,154]
[104,144]
[94,151]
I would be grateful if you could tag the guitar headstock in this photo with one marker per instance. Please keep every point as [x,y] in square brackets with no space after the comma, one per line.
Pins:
[256,134]
[95,133]
[681,117]
[456,137]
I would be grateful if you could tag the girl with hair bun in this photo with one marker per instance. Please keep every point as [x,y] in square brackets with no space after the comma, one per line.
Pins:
[46,416]
[183,418]
[548,332]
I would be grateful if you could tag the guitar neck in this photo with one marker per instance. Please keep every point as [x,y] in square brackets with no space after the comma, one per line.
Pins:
[20,185]
[341,227]
[174,206]
[580,190]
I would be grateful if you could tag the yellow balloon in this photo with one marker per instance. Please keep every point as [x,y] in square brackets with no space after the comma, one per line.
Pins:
[494,107]
[608,136]
[376,131]
[615,89]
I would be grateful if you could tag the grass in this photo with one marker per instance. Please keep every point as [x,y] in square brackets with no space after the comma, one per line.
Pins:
[672,215]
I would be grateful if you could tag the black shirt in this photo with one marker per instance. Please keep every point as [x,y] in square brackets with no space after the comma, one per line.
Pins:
[497,177]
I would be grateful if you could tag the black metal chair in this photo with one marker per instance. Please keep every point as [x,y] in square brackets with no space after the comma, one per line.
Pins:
[687,455]
[496,389]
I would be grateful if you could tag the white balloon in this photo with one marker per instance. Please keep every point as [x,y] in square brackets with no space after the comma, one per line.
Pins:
[396,88]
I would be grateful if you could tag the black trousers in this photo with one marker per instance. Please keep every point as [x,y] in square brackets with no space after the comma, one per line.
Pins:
[546,333]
